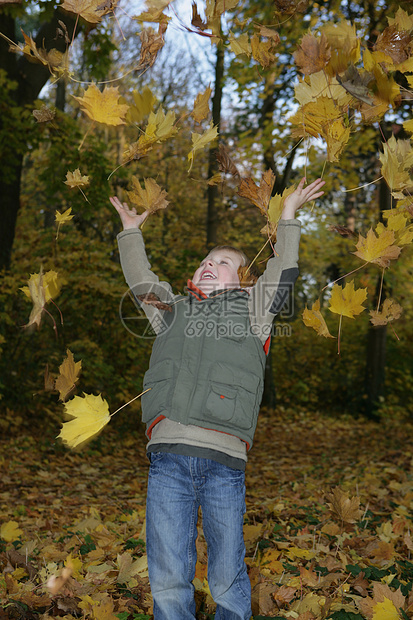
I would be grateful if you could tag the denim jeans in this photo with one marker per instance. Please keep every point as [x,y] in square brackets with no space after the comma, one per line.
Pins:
[177,486]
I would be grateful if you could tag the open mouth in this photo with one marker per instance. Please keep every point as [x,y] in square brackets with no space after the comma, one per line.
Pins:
[208,275]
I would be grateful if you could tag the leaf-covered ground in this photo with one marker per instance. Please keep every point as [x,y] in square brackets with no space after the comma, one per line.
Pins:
[313,550]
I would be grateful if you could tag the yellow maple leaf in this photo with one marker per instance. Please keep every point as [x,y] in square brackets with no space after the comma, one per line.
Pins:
[68,375]
[313,318]
[402,20]
[199,141]
[240,45]
[344,46]
[201,105]
[155,12]
[336,135]
[103,106]
[63,218]
[347,301]
[10,531]
[89,415]
[378,249]
[398,222]
[312,117]
[160,127]
[390,311]
[42,287]
[397,161]
[76,179]
[151,198]
[143,103]
[343,507]
[386,87]
[91,10]
[319,84]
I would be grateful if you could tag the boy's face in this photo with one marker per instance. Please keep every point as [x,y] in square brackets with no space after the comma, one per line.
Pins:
[217,271]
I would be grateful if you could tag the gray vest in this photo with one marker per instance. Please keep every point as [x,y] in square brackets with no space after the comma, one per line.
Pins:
[207,366]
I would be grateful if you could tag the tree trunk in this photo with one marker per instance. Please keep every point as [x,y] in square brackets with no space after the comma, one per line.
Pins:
[376,336]
[30,79]
[212,212]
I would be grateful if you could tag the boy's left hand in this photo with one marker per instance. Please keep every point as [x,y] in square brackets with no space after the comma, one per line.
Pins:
[300,196]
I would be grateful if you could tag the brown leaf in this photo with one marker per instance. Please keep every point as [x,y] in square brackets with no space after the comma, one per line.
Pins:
[196,20]
[395,43]
[17,560]
[313,54]
[153,300]
[342,230]
[289,7]
[284,595]
[259,196]
[44,115]
[226,164]
[201,105]
[69,374]
[356,83]
[151,43]
[361,584]
[246,278]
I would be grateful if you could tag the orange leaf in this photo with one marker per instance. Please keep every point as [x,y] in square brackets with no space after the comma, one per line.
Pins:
[313,54]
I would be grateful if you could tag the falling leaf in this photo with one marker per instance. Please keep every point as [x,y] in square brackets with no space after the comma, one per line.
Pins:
[342,230]
[199,141]
[312,117]
[151,43]
[44,115]
[259,195]
[143,103]
[344,46]
[155,12]
[394,42]
[313,54]
[42,287]
[63,218]
[397,161]
[89,415]
[74,179]
[313,318]
[69,372]
[262,51]
[347,301]
[240,44]
[246,278]
[318,85]
[386,87]
[160,127]
[151,198]
[226,164]
[201,105]
[103,106]
[196,20]
[216,179]
[390,311]
[10,531]
[356,83]
[88,9]
[343,507]
[153,300]
[377,249]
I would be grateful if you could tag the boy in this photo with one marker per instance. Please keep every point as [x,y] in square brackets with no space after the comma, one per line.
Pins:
[206,378]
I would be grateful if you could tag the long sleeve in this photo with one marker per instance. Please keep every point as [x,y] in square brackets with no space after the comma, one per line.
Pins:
[274,287]
[139,276]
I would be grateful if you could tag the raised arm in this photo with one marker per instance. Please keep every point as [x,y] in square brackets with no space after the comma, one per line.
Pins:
[135,265]
[274,287]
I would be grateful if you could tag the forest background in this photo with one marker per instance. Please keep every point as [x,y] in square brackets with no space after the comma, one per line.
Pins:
[224,107]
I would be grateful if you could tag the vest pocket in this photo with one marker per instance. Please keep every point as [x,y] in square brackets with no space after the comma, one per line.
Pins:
[157,400]
[233,398]
[220,402]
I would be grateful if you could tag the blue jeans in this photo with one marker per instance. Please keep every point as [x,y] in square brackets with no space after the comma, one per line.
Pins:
[177,486]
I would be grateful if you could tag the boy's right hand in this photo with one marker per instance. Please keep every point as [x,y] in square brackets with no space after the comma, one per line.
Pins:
[130,218]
